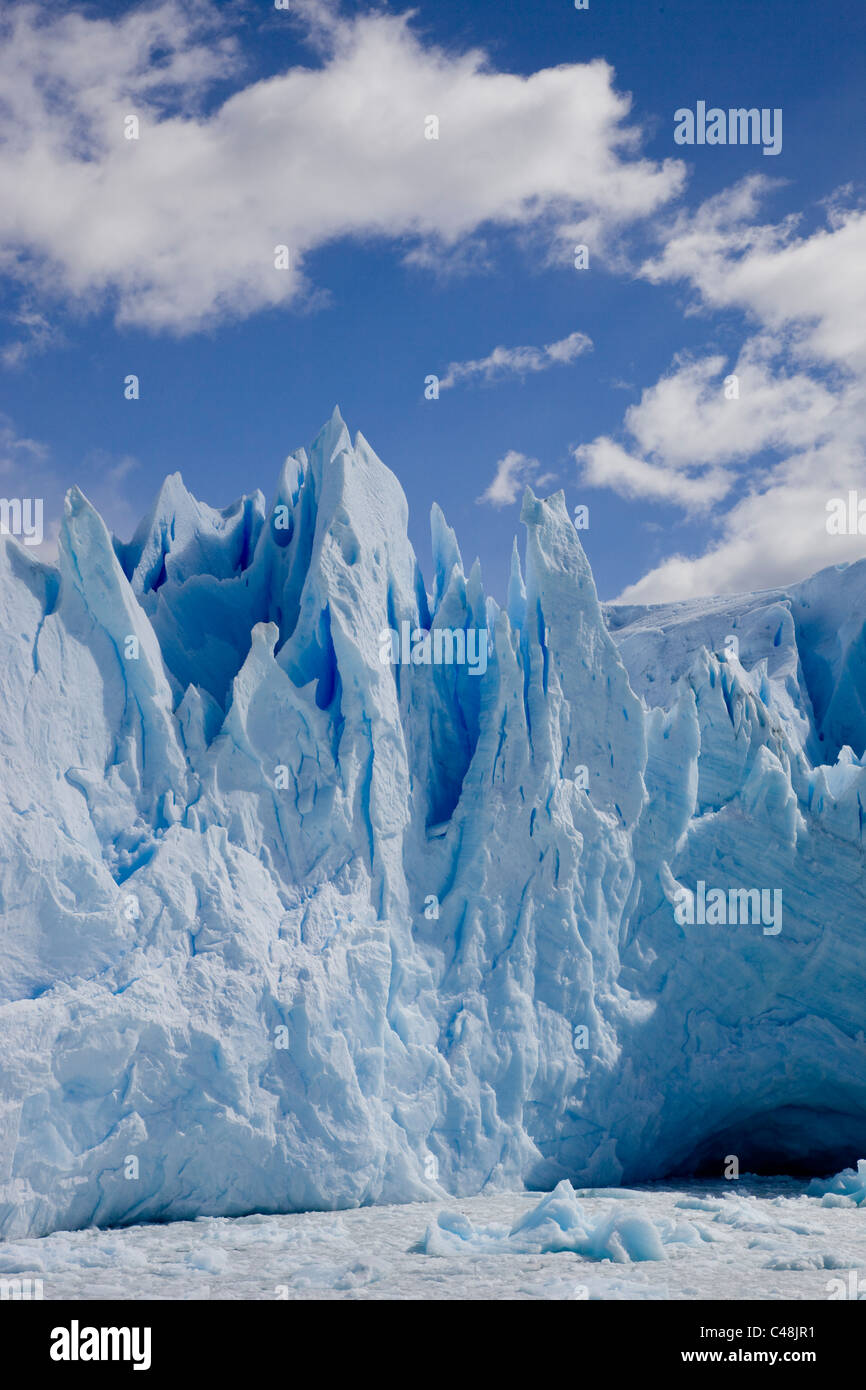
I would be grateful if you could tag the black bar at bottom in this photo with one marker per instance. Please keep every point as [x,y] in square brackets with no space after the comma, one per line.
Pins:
[296,1338]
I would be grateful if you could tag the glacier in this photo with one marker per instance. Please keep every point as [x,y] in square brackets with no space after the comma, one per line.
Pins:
[285,928]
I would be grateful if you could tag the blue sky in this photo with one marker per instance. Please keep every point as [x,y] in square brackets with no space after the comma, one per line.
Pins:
[703,261]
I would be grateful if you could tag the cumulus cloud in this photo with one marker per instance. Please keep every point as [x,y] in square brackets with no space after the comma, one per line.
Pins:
[813,287]
[689,430]
[513,472]
[759,463]
[772,537]
[605,463]
[178,227]
[518,361]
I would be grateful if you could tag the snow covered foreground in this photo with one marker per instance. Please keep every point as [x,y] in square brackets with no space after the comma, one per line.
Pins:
[286,927]
[755,1239]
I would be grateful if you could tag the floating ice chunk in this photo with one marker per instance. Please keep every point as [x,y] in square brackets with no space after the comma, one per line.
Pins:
[559,1224]
[850,1183]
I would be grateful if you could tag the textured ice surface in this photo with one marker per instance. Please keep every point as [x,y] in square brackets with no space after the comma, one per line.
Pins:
[287,928]
[791,1247]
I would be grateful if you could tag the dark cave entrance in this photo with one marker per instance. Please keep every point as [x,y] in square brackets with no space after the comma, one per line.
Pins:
[791,1141]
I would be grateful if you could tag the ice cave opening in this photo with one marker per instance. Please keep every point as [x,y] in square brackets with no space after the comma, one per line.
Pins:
[790,1140]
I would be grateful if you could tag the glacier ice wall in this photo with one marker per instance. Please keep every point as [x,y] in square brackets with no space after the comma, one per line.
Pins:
[286,927]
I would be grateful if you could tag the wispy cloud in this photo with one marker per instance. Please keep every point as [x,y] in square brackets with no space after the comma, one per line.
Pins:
[28,470]
[37,334]
[17,451]
[518,361]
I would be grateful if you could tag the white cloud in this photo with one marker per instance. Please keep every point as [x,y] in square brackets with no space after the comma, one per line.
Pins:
[518,361]
[770,538]
[604,463]
[796,435]
[513,472]
[688,434]
[179,227]
[688,420]
[813,286]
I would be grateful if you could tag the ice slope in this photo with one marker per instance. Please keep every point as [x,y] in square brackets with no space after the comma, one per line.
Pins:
[287,928]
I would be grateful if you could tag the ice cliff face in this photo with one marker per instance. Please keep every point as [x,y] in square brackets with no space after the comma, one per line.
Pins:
[285,926]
